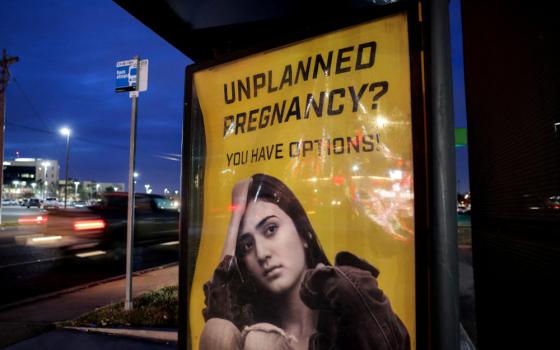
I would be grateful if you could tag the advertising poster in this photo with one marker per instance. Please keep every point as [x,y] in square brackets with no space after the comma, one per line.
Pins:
[307,231]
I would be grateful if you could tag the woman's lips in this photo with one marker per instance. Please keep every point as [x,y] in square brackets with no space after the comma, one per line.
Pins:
[268,272]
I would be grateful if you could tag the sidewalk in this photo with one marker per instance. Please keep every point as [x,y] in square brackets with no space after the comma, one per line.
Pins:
[31,324]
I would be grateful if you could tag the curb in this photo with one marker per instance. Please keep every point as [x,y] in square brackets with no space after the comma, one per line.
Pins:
[82,286]
[144,334]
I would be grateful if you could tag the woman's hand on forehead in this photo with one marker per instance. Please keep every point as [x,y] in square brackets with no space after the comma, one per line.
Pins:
[238,204]
[239,194]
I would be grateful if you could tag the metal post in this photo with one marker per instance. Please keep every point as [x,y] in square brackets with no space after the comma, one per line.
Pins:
[130,216]
[67,165]
[4,78]
[444,267]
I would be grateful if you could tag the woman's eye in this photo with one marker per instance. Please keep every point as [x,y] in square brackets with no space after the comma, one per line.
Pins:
[248,246]
[244,245]
[271,229]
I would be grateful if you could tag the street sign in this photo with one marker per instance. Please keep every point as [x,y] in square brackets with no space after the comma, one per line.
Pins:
[127,74]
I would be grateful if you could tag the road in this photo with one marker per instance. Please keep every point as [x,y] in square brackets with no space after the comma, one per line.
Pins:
[32,264]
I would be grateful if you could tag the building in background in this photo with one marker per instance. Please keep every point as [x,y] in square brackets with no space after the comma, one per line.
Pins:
[78,190]
[30,177]
[40,178]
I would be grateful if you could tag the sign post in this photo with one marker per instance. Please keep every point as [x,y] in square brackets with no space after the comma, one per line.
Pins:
[132,76]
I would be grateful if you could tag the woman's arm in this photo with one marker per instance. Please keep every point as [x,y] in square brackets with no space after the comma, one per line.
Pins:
[222,291]
[238,204]
[349,290]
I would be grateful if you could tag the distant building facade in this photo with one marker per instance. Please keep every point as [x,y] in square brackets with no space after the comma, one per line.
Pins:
[30,177]
[40,178]
[77,190]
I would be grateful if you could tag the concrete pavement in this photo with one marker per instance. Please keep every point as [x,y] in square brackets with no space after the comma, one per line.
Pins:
[32,322]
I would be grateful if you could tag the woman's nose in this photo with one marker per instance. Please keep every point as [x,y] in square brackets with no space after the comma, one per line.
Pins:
[262,251]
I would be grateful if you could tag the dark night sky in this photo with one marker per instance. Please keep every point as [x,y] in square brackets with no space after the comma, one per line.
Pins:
[66,77]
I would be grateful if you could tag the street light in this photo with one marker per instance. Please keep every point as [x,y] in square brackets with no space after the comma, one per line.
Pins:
[45,183]
[16,183]
[33,185]
[76,183]
[66,132]
[147,186]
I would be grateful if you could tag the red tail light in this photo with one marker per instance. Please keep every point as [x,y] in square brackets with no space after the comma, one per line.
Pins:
[83,225]
[33,220]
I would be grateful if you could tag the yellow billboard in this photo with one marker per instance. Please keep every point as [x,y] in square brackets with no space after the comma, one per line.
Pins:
[307,236]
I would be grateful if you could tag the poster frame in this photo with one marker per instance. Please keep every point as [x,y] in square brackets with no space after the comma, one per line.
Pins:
[193,149]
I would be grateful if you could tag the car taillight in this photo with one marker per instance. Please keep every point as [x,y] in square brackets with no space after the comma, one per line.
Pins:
[33,220]
[83,225]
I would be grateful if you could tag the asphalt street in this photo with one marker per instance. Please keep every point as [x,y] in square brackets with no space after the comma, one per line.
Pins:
[34,263]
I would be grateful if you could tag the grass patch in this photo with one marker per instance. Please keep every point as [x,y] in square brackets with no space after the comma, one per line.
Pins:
[159,308]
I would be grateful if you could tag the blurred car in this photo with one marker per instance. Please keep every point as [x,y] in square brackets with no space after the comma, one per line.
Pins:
[464,209]
[51,203]
[156,220]
[553,202]
[33,202]
[9,202]
[79,204]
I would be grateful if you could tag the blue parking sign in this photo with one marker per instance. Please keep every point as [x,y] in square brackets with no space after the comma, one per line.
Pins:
[126,76]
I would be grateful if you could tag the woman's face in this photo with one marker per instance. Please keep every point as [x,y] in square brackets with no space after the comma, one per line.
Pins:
[271,247]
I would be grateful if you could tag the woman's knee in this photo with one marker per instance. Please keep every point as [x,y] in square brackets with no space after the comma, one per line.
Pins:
[265,336]
[220,334]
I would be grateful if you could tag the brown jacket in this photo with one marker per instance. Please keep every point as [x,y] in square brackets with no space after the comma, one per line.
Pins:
[354,312]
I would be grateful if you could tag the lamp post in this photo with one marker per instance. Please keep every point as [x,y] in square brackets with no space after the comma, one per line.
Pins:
[76,183]
[66,132]
[45,182]
[15,183]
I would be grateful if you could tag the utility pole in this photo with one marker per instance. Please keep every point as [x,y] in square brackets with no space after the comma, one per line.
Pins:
[4,78]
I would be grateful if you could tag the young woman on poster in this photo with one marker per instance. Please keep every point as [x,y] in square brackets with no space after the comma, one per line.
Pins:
[276,289]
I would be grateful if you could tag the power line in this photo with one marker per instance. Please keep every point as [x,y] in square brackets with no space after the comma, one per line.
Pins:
[166,156]
[74,138]
[29,128]
[28,100]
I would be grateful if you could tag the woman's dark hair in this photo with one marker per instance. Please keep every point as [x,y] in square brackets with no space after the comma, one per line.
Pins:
[267,188]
